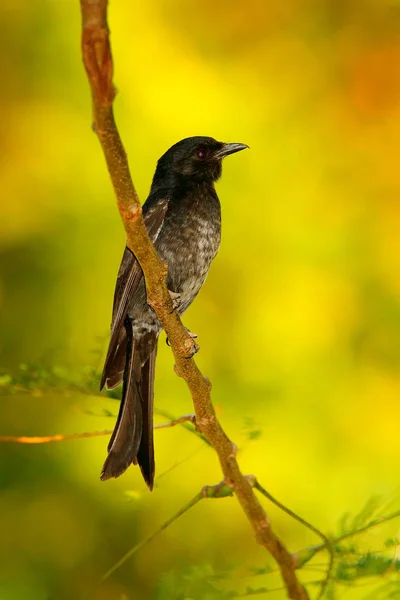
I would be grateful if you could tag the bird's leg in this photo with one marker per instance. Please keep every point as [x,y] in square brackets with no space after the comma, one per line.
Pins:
[194,348]
[175,297]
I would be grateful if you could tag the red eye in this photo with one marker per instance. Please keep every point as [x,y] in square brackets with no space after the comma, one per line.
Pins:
[201,154]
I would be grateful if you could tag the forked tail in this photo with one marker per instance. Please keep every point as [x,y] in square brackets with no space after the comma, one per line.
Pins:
[132,438]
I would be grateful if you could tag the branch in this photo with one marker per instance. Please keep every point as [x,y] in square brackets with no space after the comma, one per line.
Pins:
[221,490]
[264,590]
[177,421]
[97,59]
[45,439]
[188,422]
[327,544]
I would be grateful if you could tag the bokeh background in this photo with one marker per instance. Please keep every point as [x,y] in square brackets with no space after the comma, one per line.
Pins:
[299,321]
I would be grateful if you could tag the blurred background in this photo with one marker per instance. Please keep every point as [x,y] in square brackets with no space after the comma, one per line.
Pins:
[299,321]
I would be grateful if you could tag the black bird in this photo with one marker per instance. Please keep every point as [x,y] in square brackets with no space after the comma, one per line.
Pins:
[183,217]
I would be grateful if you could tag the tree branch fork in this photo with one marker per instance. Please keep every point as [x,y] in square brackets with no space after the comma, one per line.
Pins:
[97,59]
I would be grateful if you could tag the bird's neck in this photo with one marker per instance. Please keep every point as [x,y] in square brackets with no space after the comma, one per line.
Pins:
[174,184]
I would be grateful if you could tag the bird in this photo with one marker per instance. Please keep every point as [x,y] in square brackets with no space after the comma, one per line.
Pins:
[182,215]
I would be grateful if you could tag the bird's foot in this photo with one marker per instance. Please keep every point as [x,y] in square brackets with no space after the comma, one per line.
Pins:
[176,299]
[193,336]
[192,347]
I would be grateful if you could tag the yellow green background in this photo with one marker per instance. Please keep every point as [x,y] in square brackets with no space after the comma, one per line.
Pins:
[299,321]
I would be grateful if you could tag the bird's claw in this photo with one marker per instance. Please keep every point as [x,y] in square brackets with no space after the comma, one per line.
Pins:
[194,346]
[192,335]
[190,345]
[193,349]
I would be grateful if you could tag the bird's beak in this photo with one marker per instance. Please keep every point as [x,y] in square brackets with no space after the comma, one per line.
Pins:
[230,149]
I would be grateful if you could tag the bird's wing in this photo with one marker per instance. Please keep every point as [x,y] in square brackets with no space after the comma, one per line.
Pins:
[128,279]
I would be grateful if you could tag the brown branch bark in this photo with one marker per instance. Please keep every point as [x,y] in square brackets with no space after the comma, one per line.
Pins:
[97,59]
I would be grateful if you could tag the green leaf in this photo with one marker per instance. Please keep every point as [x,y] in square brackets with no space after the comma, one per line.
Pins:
[392,542]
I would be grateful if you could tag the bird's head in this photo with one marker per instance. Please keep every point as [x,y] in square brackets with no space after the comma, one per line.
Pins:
[197,159]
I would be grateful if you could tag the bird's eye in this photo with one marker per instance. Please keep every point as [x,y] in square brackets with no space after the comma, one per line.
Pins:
[201,154]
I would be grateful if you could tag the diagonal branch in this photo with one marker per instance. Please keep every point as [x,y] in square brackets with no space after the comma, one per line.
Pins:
[97,59]
[151,537]
[221,490]
[326,541]
[45,439]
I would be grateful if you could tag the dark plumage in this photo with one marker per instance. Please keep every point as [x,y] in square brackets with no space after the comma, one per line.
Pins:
[183,217]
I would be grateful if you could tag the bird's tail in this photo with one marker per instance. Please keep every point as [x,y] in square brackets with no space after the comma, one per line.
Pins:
[132,438]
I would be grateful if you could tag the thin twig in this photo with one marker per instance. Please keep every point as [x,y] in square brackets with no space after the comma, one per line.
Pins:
[177,421]
[373,523]
[189,424]
[326,541]
[258,592]
[97,59]
[221,490]
[151,537]
[44,439]
[303,556]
